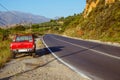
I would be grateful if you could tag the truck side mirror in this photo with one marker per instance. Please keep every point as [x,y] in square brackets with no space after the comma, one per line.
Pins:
[13,40]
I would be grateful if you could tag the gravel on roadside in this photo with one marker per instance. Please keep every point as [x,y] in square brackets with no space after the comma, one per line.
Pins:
[43,67]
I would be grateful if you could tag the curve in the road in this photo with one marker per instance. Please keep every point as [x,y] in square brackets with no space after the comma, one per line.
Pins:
[97,61]
[70,66]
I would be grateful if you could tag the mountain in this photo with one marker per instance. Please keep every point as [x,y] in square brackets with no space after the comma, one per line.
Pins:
[15,17]
[100,20]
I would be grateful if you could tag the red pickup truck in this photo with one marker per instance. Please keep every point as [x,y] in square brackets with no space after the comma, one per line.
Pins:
[23,44]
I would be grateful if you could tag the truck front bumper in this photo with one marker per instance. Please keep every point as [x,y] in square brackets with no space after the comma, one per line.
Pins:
[23,50]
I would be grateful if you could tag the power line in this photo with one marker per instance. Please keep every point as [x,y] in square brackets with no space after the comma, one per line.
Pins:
[10,12]
[3,20]
[2,23]
[3,7]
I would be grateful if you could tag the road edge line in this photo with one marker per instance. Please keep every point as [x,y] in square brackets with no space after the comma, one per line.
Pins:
[114,44]
[103,53]
[68,65]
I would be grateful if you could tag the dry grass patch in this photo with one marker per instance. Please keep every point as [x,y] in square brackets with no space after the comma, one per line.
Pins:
[5,54]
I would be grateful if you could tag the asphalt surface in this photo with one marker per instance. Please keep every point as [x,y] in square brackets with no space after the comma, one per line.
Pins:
[97,61]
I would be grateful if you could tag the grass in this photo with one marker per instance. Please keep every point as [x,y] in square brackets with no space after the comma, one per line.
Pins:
[5,54]
[39,44]
[103,23]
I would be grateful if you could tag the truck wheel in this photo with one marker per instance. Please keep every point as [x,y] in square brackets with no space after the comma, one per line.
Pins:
[33,54]
[30,54]
[13,54]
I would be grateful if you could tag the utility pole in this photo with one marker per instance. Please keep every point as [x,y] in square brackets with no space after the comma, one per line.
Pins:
[30,24]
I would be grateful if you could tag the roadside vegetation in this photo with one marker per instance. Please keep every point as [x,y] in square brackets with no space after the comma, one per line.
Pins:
[48,27]
[4,52]
[103,23]
[4,46]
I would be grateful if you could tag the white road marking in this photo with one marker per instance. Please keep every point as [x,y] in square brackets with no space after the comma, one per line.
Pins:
[71,67]
[103,53]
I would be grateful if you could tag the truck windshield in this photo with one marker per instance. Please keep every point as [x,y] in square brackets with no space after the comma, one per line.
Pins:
[23,38]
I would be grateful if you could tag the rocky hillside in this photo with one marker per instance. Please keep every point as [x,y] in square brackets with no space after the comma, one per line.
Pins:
[15,17]
[91,4]
[100,20]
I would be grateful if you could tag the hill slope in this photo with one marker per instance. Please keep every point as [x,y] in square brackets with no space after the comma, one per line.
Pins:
[15,17]
[100,20]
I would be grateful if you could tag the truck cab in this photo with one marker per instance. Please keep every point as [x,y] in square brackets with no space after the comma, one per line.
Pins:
[23,44]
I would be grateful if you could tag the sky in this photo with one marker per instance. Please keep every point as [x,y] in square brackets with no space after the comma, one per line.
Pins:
[47,8]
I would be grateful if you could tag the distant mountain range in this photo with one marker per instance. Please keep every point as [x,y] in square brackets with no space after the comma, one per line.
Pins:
[15,17]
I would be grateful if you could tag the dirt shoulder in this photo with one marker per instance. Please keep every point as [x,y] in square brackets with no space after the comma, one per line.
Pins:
[43,67]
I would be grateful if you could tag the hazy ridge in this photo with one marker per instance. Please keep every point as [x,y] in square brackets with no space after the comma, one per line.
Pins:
[15,17]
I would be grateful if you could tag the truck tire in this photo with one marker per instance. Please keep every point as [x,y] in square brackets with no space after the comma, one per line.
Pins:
[13,54]
[33,54]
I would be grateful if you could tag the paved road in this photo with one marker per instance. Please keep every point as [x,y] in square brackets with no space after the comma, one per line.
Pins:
[97,61]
